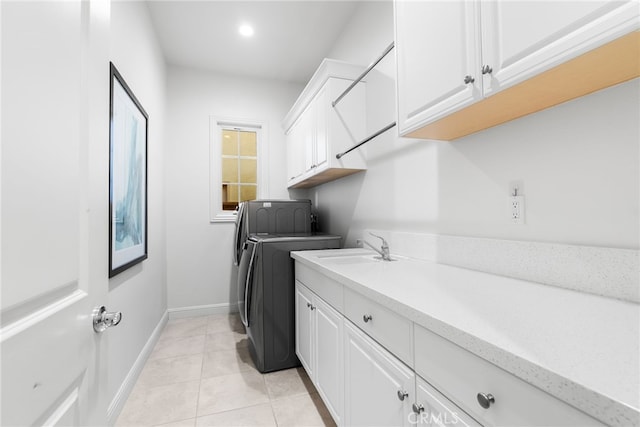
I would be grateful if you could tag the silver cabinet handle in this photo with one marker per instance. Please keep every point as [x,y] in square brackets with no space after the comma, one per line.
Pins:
[308,305]
[311,306]
[486,69]
[417,408]
[103,319]
[486,400]
[367,318]
[402,394]
[468,79]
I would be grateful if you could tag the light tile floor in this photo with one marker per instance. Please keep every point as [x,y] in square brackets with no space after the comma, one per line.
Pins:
[200,373]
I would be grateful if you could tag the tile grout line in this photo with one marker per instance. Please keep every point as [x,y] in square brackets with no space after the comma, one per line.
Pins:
[204,342]
[273,412]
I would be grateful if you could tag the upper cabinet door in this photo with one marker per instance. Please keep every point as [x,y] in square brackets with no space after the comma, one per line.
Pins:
[295,151]
[521,39]
[438,59]
[322,133]
[309,127]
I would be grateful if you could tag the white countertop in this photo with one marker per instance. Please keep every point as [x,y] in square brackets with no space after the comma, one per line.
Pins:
[582,348]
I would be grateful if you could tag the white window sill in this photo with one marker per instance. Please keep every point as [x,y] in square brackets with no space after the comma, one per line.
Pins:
[224,217]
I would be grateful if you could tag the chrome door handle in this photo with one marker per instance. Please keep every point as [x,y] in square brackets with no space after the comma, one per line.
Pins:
[417,407]
[487,69]
[103,319]
[367,318]
[468,79]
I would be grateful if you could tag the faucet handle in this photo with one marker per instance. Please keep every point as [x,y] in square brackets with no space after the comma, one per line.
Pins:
[384,242]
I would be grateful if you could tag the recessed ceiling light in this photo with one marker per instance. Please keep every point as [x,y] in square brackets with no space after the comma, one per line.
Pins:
[245,30]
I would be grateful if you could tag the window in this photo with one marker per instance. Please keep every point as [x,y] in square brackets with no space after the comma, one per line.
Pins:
[237,149]
[239,167]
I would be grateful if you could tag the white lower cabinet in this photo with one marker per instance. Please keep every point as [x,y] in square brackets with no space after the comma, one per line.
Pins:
[319,338]
[329,361]
[378,386]
[305,323]
[363,383]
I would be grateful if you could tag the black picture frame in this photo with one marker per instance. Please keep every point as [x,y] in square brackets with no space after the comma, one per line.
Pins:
[128,153]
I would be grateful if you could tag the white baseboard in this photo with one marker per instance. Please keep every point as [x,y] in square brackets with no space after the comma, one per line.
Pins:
[117,404]
[202,310]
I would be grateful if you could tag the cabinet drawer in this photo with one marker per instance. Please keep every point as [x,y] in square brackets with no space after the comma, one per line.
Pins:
[388,328]
[461,375]
[326,288]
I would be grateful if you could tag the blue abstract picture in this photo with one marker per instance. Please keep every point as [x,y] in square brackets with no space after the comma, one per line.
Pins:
[128,200]
[128,178]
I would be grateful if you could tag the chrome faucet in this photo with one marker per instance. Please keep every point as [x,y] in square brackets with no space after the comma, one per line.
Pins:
[383,251]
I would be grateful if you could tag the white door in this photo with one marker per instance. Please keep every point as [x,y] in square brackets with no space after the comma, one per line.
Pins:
[523,38]
[295,151]
[378,387]
[329,357]
[304,328]
[308,126]
[322,106]
[438,59]
[54,192]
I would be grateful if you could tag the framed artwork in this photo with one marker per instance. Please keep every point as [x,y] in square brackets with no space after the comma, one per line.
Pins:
[128,130]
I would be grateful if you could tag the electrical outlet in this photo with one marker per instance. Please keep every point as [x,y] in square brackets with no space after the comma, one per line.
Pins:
[516,204]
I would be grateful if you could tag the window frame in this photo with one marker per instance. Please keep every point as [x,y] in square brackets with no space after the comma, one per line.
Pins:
[216,126]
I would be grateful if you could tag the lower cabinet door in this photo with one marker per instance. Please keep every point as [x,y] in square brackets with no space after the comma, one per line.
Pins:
[329,371]
[433,409]
[305,329]
[378,387]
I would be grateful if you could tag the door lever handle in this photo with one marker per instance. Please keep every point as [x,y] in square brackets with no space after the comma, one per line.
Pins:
[103,319]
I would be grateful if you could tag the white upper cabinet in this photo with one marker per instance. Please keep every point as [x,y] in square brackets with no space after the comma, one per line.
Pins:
[521,39]
[437,47]
[316,131]
[454,58]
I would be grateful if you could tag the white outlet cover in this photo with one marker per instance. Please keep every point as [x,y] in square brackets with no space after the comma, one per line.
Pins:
[516,209]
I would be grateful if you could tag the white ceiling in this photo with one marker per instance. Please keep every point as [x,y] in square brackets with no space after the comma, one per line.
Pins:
[290,40]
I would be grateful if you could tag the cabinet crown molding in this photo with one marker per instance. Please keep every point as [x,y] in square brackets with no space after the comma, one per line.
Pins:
[328,68]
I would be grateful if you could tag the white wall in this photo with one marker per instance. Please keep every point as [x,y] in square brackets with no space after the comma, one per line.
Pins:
[579,163]
[140,292]
[199,261]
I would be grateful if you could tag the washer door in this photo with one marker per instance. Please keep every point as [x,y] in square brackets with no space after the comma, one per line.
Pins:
[245,279]
[240,233]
